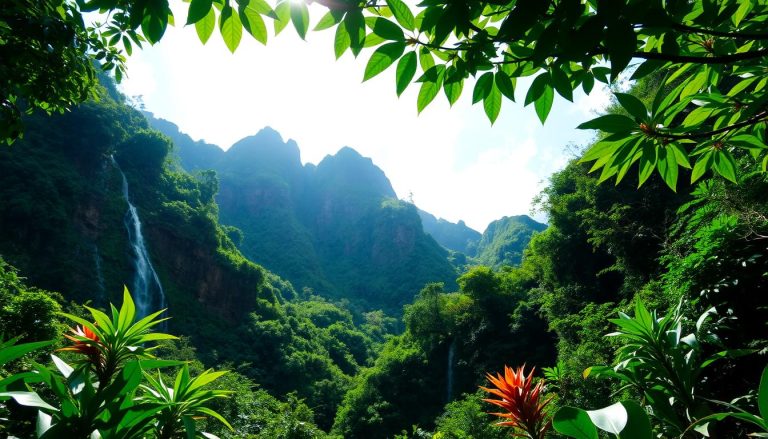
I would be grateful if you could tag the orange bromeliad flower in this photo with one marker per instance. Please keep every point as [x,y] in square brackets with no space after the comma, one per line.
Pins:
[86,343]
[521,401]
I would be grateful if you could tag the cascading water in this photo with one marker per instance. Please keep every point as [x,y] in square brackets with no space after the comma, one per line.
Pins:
[147,290]
[449,380]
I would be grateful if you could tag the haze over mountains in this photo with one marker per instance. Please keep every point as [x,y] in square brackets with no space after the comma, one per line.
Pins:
[338,227]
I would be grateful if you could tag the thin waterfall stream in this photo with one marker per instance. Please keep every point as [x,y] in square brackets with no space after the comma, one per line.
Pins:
[147,290]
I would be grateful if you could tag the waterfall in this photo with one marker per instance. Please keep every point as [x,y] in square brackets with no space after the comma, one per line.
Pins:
[449,380]
[146,289]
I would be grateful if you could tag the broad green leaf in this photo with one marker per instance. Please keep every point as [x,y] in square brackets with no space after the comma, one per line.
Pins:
[127,312]
[561,83]
[283,14]
[300,17]
[633,106]
[253,23]
[681,155]
[10,353]
[402,13]
[544,103]
[231,29]
[610,123]
[492,104]
[483,87]
[382,58]
[745,7]
[385,29]
[198,9]
[647,162]
[426,61]
[667,166]
[537,88]
[216,415]
[28,399]
[574,422]
[505,85]
[153,26]
[638,425]
[44,421]
[406,69]
[452,86]
[725,165]
[355,24]
[330,19]
[65,369]
[341,41]
[429,88]
[703,164]
[612,419]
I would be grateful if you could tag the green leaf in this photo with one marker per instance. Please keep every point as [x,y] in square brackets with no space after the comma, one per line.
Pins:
[544,103]
[561,83]
[28,399]
[762,395]
[681,155]
[153,26]
[492,104]
[283,13]
[638,425]
[198,9]
[537,88]
[406,69]
[667,166]
[703,164]
[382,58]
[453,85]
[355,24]
[647,162]
[505,85]
[725,165]
[402,13]
[300,17]
[430,87]
[330,19]
[385,29]
[633,105]
[341,41]
[483,87]
[10,353]
[575,423]
[610,123]
[205,26]
[253,23]
[231,29]
[611,419]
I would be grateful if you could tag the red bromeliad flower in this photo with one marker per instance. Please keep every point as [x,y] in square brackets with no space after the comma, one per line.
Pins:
[521,402]
[86,343]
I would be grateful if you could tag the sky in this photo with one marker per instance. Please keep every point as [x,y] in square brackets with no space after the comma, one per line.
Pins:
[451,161]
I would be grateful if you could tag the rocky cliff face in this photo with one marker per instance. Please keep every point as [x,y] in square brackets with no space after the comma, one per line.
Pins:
[336,228]
[453,236]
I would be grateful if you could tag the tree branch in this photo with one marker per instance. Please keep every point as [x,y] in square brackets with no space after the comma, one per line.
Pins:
[693,136]
[722,59]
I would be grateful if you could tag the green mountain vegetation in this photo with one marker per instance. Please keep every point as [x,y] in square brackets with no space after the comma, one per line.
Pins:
[63,225]
[336,228]
[453,236]
[504,240]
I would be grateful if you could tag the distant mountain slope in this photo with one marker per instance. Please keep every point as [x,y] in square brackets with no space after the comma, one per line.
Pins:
[505,240]
[336,228]
[453,236]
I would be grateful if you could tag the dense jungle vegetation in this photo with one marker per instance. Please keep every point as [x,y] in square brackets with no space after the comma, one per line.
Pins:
[641,306]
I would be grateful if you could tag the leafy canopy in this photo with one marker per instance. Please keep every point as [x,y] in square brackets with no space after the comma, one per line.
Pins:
[710,106]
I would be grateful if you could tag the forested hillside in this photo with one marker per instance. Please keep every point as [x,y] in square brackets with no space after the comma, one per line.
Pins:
[336,228]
